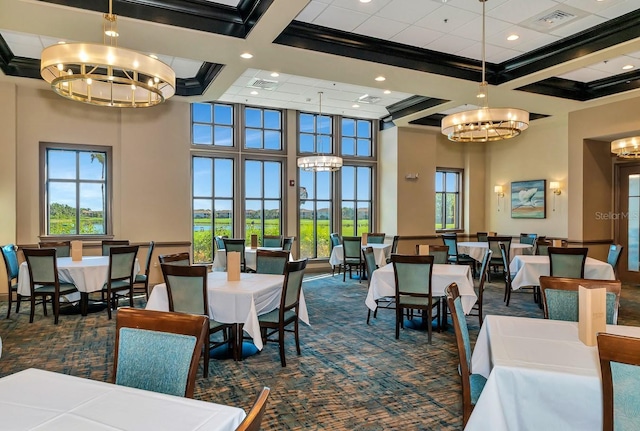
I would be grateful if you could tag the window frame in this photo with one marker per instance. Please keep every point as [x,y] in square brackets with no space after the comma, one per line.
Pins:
[234,128]
[460,200]
[371,199]
[43,189]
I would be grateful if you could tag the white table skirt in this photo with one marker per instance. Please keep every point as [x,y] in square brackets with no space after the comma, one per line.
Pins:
[528,270]
[540,376]
[89,274]
[42,400]
[383,284]
[380,252]
[237,301]
[477,249]
[220,262]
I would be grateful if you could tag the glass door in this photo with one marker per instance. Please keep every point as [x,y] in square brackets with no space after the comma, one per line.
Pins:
[627,219]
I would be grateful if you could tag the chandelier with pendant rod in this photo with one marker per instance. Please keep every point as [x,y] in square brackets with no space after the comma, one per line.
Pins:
[107,75]
[626,148]
[320,162]
[485,124]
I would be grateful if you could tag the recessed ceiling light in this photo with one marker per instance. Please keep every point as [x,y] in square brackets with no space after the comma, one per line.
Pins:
[513,37]
[387,91]
[356,105]
[380,78]
[153,56]
[275,74]
[627,67]
[61,42]
[246,55]
[365,1]
[254,92]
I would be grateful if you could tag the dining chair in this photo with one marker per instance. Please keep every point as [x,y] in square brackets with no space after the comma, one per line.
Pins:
[451,241]
[615,250]
[440,254]
[236,245]
[287,243]
[567,262]
[375,238]
[43,280]
[560,297]
[142,280]
[187,293]
[482,236]
[620,369]
[496,256]
[253,420]
[394,247]
[107,244]
[413,289]
[352,256]
[387,302]
[158,351]
[272,241]
[271,261]
[506,273]
[63,248]
[220,242]
[180,259]
[482,277]
[10,257]
[530,239]
[335,240]
[472,384]
[277,321]
[121,275]
[542,247]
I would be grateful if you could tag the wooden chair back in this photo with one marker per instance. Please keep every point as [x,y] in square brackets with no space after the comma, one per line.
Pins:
[63,248]
[181,259]
[272,241]
[375,238]
[186,288]
[108,243]
[567,262]
[271,261]
[254,419]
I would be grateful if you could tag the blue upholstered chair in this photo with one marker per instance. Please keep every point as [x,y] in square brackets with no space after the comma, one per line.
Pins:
[472,384]
[10,257]
[142,280]
[287,243]
[187,293]
[352,257]
[615,250]
[387,302]
[220,242]
[529,238]
[236,245]
[560,297]
[43,280]
[394,247]
[121,275]
[179,259]
[375,238]
[63,248]
[440,254]
[567,262]
[542,247]
[620,369]
[272,241]
[413,289]
[158,351]
[271,261]
[107,244]
[482,236]
[496,255]
[276,322]
[335,240]
[451,241]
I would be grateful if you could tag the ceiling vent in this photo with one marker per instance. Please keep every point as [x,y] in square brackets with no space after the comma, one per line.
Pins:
[368,99]
[553,18]
[263,84]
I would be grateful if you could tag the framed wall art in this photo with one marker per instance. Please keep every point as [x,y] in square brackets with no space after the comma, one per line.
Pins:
[529,199]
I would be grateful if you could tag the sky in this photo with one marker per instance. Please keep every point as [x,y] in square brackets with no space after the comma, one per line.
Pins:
[65,165]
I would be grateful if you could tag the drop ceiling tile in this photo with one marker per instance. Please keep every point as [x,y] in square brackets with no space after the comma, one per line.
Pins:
[446,19]
[450,44]
[475,51]
[341,19]
[416,36]
[619,9]
[516,11]
[474,6]
[48,41]
[407,11]
[592,6]
[381,28]
[584,75]
[185,68]
[526,36]
[614,65]
[12,37]
[577,25]
[27,50]
[635,54]
[311,11]
[368,8]
[473,29]
[540,41]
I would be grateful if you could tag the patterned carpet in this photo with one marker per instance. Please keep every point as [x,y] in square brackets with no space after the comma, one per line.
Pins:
[350,376]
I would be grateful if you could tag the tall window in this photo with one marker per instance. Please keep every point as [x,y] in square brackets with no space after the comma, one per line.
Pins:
[448,199]
[212,124]
[356,138]
[316,208]
[263,129]
[76,186]
[263,198]
[212,204]
[356,200]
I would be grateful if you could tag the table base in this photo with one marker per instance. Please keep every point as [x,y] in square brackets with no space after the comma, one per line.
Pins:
[76,308]
[223,351]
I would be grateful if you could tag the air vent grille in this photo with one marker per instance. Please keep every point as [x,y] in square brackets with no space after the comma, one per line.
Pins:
[263,84]
[555,18]
[368,99]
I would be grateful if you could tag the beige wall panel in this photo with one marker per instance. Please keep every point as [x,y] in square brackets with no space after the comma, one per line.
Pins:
[475,190]
[7,171]
[598,190]
[539,153]
[388,181]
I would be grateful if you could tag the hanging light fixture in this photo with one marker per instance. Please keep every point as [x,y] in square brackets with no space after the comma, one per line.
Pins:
[626,148]
[320,162]
[106,75]
[485,124]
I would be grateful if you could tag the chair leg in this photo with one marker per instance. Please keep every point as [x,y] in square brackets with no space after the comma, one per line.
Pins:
[399,315]
[131,296]
[207,346]
[109,305]
[281,344]
[10,299]
[18,301]
[429,326]
[368,316]
[33,308]
[297,337]
[44,305]
[56,307]
[344,274]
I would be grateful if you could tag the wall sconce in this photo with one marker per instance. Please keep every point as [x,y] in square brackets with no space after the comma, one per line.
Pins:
[555,187]
[499,193]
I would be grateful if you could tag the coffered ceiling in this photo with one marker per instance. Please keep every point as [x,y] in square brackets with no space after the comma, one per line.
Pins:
[568,54]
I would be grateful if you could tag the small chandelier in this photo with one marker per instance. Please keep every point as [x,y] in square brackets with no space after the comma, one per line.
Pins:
[106,75]
[627,148]
[485,124]
[320,162]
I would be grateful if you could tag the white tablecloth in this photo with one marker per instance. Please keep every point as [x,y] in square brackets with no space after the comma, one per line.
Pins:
[220,262]
[477,249]
[237,301]
[380,252]
[541,376]
[88,274]
[383,284]
[42,400]
[528,270]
